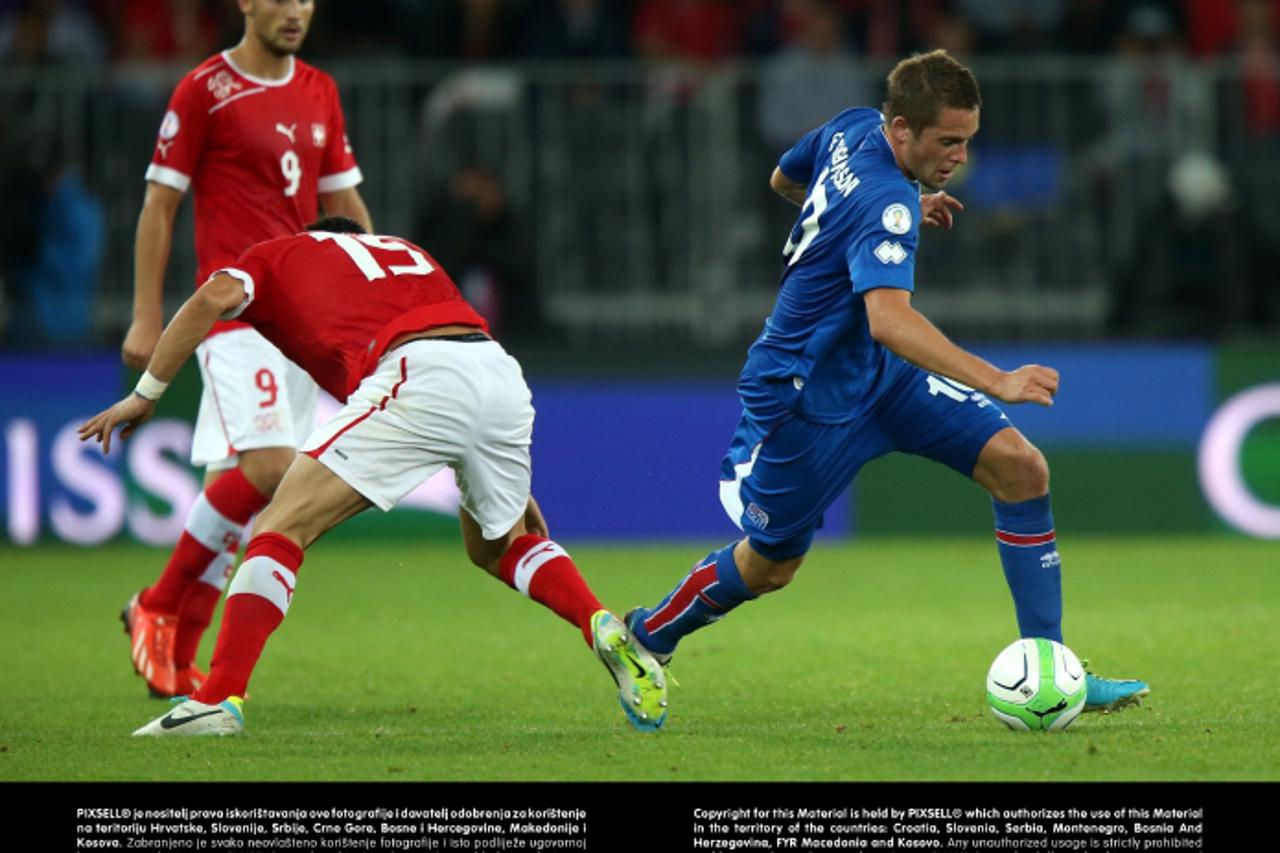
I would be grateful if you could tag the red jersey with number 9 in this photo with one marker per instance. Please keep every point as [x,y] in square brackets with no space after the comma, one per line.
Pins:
[333,303]
[256,153]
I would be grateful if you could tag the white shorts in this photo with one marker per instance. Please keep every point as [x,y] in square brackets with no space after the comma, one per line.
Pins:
[432,403]
[253,398]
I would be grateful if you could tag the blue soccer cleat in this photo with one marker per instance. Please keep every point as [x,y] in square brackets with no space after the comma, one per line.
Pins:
[1112,694]
[642,685]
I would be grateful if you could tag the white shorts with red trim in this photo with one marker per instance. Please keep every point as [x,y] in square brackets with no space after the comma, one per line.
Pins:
[253,398]
[432,403]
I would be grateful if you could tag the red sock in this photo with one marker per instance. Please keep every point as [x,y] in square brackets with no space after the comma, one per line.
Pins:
[257,601]
[194,615]
[215,523]
[543,571]
[196,610]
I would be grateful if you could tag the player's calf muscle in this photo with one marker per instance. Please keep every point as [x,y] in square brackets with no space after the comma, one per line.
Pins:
[485,553]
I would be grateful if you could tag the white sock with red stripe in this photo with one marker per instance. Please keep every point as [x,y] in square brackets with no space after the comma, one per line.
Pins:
[542,570]
[214,525]
[1029,554]
[257,601]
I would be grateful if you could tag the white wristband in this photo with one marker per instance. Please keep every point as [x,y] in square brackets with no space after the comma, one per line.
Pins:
[149,388]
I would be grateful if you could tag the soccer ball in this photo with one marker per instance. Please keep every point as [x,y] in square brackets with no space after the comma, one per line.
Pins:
[1036,685]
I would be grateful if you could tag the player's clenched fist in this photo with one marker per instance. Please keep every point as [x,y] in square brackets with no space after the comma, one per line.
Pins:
[1031,383]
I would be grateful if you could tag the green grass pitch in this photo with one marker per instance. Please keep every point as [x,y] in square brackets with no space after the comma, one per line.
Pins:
[402,662]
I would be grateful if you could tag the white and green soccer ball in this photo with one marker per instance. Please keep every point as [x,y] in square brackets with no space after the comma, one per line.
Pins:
[1036,685]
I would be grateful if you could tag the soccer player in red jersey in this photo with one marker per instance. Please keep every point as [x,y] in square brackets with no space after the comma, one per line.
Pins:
[260,138]
[376,322]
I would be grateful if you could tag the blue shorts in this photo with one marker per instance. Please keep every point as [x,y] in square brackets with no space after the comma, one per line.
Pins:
[782,473]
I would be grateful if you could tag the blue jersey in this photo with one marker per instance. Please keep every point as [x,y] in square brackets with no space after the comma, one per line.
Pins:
[858,230]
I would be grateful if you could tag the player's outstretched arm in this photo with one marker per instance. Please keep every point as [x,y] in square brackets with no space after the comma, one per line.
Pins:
[907,332]
[150,257]
[189,326]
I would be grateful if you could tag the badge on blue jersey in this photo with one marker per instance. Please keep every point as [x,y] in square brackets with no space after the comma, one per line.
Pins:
[891,253]
[896,219]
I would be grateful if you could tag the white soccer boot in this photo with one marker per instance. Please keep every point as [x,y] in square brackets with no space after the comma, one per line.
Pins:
[190,717]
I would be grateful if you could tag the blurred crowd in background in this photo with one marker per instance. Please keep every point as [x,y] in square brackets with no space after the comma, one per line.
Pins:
[114,31]
[1202,227]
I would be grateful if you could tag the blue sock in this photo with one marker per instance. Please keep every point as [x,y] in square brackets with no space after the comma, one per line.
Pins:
[1029,554]
[709,591]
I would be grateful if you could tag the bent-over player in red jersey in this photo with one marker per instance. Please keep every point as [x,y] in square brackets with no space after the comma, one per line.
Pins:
[376,322]
[259,139]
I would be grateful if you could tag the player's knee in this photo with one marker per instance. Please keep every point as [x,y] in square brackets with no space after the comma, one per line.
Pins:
[1033,474]
[1022,474]
[484,553]
[771,570]
[776,576]
[1011,468]
[486,557]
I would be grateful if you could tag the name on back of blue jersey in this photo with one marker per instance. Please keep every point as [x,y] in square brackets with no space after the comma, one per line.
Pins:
[842,177]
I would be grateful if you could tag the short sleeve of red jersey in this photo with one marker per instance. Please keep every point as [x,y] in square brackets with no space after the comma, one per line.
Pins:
[181,140]
[338,169]
[252,270]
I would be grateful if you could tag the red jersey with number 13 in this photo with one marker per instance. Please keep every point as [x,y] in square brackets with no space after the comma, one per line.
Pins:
[256,153]
[333,303]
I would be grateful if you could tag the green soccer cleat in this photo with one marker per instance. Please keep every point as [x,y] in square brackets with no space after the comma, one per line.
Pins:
[642,685]
[190,717]
[1112,694]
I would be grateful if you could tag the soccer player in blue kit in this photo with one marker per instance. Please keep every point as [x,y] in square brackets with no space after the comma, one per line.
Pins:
[846,370]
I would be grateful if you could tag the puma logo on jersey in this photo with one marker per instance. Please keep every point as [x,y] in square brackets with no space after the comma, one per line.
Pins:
[287,131]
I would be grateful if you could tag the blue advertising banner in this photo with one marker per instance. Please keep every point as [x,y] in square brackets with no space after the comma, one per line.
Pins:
[1117,395]
[638,460]
[612,460]
[54,485]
